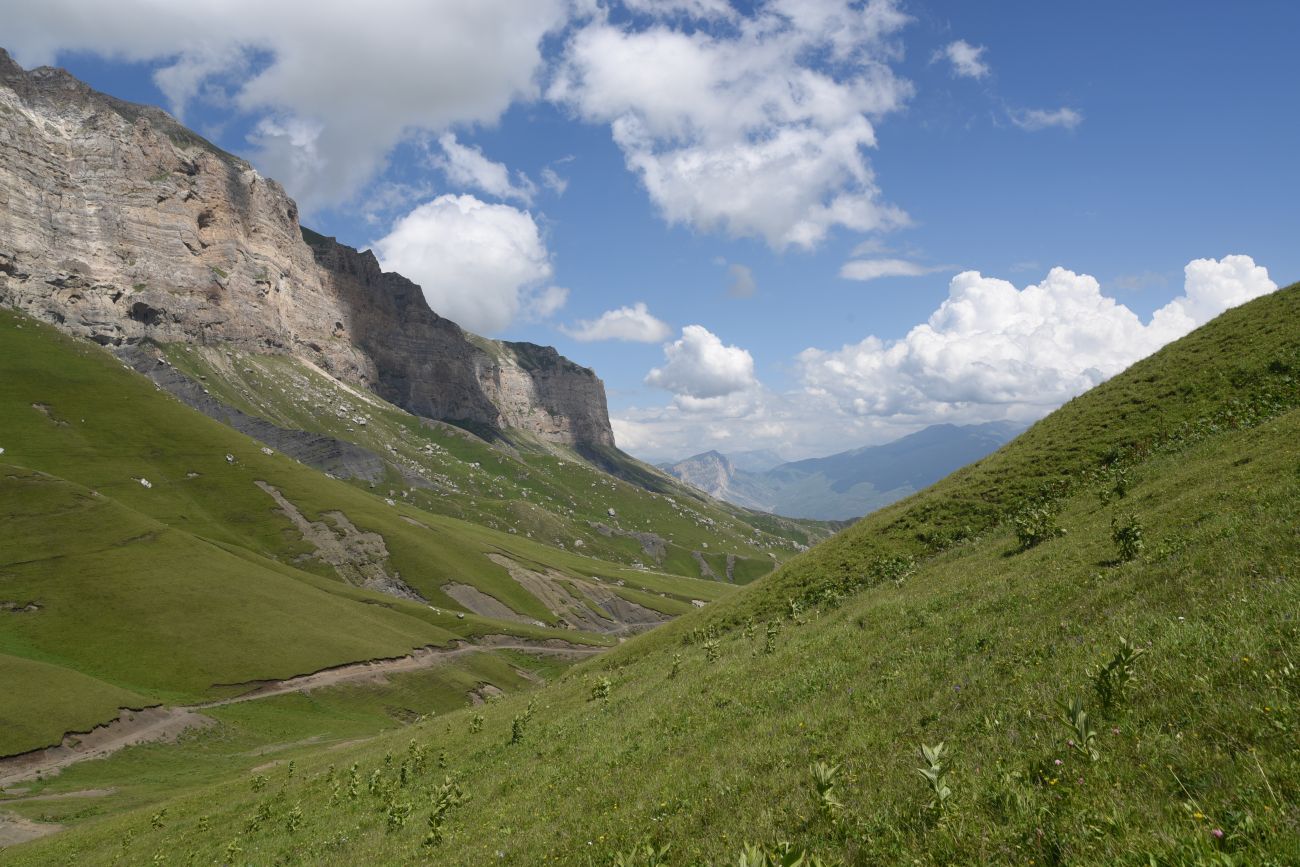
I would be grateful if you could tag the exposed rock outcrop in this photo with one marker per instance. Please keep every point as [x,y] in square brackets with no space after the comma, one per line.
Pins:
[118,224]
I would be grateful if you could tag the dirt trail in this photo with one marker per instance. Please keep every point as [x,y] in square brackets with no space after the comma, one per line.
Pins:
[166,723]
[15,829]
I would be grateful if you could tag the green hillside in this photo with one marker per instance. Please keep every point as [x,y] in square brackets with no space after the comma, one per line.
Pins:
[523,486]
[150,555]
[1098,623]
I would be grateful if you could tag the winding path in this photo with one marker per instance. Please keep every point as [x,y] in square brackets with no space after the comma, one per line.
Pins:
[166,723]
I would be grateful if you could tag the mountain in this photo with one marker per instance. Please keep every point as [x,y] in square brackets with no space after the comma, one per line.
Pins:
[849,484]
[122,226]
[252,486]
[1084,642]
[755,460]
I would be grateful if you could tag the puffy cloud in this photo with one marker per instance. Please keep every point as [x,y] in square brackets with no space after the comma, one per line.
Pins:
[756,130]
[794,423]
[1034,119]
[336,84]
[874,269]
[965,59]
[545,303]
[635,324]
[701,368]
[991,350]
[467,167]
[1209,288]
[481,265]
[742,283]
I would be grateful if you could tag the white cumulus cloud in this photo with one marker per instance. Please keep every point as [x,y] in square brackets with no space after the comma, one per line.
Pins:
[966,59]
[699,367]
[467,167]
[874,269]
[991,350]
[481,265]
[634,324]
[332,85]
[756,130]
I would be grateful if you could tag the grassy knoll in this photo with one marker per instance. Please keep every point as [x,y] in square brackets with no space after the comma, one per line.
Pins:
[1110,663]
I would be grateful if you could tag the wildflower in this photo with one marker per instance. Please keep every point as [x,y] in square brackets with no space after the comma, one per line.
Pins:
[1058,762]
[1217,833]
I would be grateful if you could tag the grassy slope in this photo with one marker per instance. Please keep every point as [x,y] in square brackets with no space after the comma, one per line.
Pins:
[164,591]
[976,647]
[538,491]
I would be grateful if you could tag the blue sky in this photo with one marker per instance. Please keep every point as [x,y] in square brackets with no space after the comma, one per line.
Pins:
[538,163]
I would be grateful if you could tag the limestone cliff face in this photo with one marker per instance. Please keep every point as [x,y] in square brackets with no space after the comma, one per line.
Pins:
[119,224]
[430,366]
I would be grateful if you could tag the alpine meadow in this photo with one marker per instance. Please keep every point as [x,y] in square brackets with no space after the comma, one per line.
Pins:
[616,473]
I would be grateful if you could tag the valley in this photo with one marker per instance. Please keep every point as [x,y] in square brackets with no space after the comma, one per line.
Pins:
[314,554]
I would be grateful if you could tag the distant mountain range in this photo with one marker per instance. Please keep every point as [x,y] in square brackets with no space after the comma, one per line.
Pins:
[845,485]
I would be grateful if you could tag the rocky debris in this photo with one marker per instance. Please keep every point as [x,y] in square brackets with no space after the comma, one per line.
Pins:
[485,605]
[120,225]
[484,693]
[358,557]
[579,603]
[706,571]
[338,458]
[653,544]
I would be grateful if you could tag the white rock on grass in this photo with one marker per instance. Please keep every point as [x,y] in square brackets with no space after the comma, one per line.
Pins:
[146,483]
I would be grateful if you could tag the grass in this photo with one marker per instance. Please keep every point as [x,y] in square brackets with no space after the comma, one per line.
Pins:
[532,489]
[706,732]
[48,691]
[165,591]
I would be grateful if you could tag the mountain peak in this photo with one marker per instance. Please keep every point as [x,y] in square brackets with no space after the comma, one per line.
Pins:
[177,241]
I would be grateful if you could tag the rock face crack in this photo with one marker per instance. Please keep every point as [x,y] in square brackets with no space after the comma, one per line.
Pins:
[357,556]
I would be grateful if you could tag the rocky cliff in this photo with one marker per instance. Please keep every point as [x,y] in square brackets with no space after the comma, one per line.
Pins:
[120,225]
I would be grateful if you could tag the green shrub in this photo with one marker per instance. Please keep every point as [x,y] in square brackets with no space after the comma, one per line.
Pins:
[1127,536]
[1035,525]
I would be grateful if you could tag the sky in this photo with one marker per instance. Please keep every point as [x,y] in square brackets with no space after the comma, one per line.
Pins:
[798,225]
